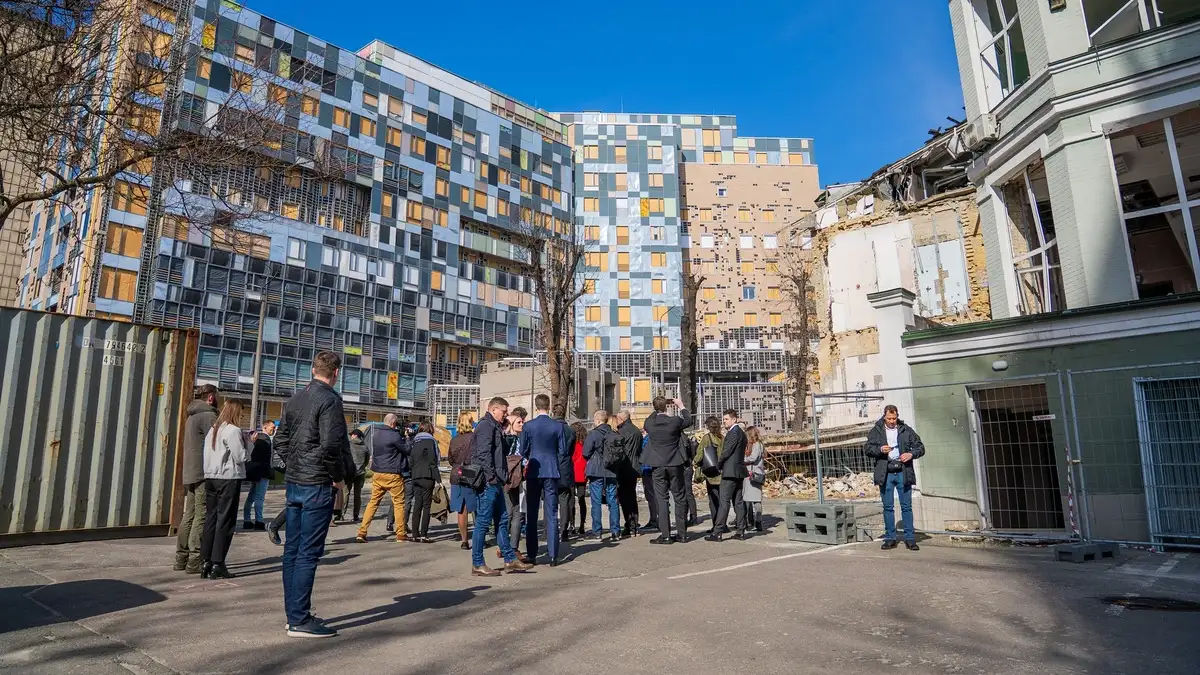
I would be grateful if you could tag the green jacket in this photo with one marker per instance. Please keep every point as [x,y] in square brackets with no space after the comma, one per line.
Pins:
[703,441]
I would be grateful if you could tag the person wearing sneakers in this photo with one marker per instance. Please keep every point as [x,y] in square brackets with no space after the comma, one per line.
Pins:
[389,452]
[423,455]
[490,462]
[894,446]
[312,441]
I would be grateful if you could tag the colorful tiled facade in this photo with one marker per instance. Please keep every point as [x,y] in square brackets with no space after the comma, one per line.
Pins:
[406,267]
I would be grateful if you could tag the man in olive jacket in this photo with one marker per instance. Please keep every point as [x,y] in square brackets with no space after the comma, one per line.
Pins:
[200,416]
[894,445]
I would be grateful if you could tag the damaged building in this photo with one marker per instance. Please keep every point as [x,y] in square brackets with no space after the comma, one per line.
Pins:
[911,229]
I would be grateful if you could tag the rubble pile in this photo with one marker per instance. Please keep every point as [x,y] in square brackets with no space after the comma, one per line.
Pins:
[800,486]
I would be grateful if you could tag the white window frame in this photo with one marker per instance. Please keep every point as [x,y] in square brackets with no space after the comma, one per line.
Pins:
[707,241]
[770,241]
[1043,248]
[992,86]
[357,262]
[1148,15]
[1184,206]
[746,241]
[331,256]
[749,293]
[299,246]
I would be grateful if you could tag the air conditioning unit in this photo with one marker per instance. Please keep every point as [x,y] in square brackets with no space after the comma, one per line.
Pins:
[980,132]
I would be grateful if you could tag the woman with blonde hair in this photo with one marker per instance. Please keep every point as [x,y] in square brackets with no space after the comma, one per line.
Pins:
[225,456]
[462,497]
[756,467]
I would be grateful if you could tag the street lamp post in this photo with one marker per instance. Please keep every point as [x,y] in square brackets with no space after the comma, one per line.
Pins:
[272,272]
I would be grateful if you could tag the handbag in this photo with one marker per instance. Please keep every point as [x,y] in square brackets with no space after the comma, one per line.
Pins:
[708,464]
[516,472]
[471,475]
[757,477]
[895,466]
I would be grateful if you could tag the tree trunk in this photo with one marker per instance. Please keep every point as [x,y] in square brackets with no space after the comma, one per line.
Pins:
[688,347]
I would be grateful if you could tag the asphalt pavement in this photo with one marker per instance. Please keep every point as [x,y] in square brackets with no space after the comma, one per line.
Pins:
[765,605]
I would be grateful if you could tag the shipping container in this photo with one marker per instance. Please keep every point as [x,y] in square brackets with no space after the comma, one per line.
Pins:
[91,414]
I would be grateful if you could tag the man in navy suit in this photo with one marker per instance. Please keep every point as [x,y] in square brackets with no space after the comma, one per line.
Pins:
[545,442]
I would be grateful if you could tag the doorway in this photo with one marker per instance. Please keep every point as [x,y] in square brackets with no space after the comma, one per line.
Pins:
[1017,456]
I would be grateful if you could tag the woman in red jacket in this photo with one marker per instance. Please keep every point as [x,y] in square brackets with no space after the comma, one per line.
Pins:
[581,488]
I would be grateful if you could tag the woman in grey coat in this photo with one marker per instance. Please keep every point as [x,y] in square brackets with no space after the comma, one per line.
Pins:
[752,485]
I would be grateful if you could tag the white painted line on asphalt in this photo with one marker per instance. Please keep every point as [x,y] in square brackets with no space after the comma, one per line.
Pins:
[764,560]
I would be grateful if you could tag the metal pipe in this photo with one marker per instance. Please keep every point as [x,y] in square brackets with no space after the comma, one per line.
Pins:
[817,452]
[258,353]
[1085,521]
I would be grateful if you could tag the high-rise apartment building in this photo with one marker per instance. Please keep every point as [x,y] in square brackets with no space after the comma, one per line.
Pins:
[405,264]
[656,193]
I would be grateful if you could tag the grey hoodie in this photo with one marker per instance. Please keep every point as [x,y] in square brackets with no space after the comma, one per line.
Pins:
[200,418]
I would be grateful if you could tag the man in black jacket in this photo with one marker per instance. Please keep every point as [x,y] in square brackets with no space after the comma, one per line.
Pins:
[489,456]
[664,454]
[733,476]
[200,416]
[602,481]
[313,442]
[627,474]
[894,445]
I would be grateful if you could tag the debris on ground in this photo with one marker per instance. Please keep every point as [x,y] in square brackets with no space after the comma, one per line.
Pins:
[801,486]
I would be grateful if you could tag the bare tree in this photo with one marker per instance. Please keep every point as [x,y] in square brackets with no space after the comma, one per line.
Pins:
[555,265]
[795,272]
[688,344]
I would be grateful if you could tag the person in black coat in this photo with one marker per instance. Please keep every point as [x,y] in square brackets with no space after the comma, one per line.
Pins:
[423,456]
[733,476]
[894,446]
[627,474]
[664,454]
[258,476]
[602,481]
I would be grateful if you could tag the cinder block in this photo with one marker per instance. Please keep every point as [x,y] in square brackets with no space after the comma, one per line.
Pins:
[1078,553]
[820,523]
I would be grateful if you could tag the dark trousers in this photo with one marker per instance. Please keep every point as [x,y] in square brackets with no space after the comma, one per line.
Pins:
[583,495]
[537,490]
[309,511]
[670,479]
[651,502]
[280,520]
[422,499]
[689,477]
[566,506]
[355,487]
[221,504]
[714,501]
[627,496]
[731,493]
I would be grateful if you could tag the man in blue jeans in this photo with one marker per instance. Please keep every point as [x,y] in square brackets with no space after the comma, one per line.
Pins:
[489,456]
[894,445]
[311,441]
[602,482]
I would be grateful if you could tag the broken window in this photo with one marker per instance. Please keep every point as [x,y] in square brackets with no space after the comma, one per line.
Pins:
[1111,20]
[1158,174]
[1005,64]
[1034,246]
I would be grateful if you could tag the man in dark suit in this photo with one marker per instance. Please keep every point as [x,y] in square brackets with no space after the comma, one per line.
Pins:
[544,443]
[733,475]
[627,473]
[665,456]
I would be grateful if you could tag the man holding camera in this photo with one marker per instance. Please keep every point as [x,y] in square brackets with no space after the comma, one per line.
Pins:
[894,445]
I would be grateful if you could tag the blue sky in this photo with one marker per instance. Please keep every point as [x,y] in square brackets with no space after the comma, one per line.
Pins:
[865,79]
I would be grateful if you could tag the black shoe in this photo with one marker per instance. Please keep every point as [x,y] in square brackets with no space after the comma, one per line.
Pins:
[662,540]
[247,525]
[714,537]
[220,572]
[910,545]
[758,526]
[708,531]
[313,628]
[260,526]
[693,521]
[625,534]
[741,536]
[651,526]
[273,534]
[206,570]
[888,545]
[554,563]
[465,546]
[725,529]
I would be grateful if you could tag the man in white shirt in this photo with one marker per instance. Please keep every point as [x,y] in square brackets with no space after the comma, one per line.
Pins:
[894,445]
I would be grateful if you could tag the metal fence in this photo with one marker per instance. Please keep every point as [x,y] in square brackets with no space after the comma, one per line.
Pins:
[1109,454]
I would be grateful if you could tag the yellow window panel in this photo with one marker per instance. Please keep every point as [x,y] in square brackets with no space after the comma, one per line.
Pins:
[589,286]
[620,154]
[592,343]
[660,313]
[747,268]
[750,319]
[773,293]
[622,316]
[656,286]
[658,259]
[622,262]
[776,319]
[622,180]
[592,313]
[623,289]
[710,319]
[208,36]
[622,235]
[626,344]
[641,390]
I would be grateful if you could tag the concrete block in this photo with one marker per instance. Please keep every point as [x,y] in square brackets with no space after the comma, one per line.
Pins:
[1078,553]
[820,523]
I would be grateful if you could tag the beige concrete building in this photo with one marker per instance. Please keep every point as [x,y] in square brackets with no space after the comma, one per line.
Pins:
[733,214]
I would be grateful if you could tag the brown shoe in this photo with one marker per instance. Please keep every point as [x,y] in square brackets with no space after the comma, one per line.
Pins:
[402,538]
[517,566]
[484,571]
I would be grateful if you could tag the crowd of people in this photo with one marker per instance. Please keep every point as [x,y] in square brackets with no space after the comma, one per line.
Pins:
[505,469]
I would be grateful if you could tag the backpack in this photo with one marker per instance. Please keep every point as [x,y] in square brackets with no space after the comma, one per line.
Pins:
[615,451]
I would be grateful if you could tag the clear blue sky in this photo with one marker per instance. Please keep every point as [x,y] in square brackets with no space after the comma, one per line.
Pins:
[865,79]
